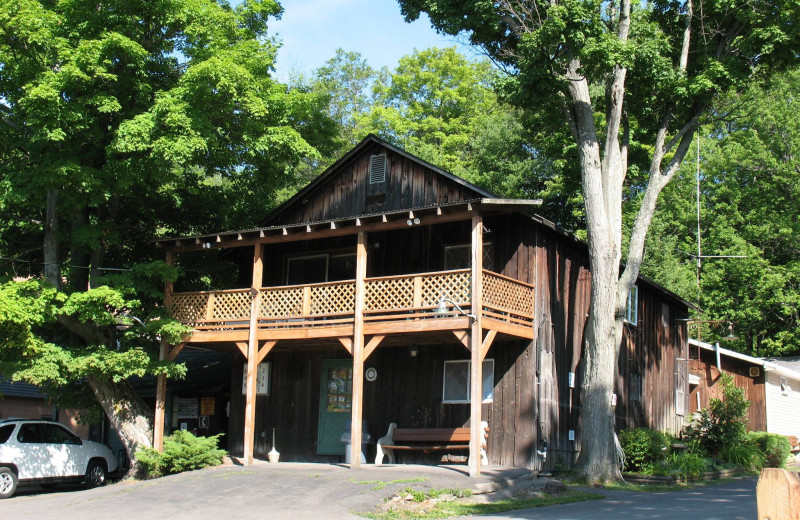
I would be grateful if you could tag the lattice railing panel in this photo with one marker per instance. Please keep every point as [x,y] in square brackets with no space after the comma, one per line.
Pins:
[389,293]
[189,307]
[282,301]
[507,295]
[454,285]
[234,305]
[335,298]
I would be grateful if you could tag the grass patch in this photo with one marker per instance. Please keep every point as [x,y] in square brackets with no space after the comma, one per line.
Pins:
[654,487]
[380,484]
[460,506]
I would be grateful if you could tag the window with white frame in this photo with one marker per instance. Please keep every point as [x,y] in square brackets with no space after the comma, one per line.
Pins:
[456,386]
[458,257]
[632,308]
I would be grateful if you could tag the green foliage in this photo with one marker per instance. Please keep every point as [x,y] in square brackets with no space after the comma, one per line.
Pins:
[182,452]
[722,426]
[643,448]
[685,464]
[774,447]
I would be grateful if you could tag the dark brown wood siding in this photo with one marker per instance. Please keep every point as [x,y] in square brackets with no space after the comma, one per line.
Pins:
[710,386]
[348,193]
[408,391]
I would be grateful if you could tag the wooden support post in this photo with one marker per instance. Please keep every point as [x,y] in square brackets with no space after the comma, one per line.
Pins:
[476,342]
[161,397]
[358,352]
[252,353]
[161,381]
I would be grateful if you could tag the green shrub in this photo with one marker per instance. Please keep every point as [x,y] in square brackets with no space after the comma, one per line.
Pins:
[744,454]
[182,452]
[643,448]
[724,423]
[687,464]
[775,448]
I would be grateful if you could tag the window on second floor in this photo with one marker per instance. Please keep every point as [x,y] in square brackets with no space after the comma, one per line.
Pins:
[458,257]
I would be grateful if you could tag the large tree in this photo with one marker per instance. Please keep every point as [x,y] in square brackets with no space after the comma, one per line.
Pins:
[750,233]
[122,121]
[620,73]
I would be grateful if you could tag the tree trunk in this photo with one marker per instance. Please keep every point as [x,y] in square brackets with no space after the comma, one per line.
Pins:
[52,271]
[128,414]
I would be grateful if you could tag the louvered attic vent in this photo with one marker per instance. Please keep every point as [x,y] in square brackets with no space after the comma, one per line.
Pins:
[377,169]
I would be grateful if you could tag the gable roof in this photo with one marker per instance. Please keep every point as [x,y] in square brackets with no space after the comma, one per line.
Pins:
[779,365]
[361,148]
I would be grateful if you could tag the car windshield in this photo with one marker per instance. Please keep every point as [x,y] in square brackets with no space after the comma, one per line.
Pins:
[5,432]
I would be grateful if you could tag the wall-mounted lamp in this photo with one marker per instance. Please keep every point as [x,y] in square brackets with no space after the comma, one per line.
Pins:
[206,245]
[413,221]
[442,310]
[413,351]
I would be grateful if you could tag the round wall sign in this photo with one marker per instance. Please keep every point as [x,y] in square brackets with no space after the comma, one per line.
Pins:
[371,374]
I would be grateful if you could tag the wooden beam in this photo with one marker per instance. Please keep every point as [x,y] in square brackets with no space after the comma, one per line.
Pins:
[399,327]
[358,351]
[161,398]
[347,343]
[463,337]
[476,341]
[175,351]
[382,224]
[252,352]
[487,343]
[161,380]
[242,346]
[264,350]
[372,344]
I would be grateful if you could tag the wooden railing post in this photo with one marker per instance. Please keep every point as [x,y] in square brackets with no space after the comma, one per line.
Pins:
[306,301]
[476,342]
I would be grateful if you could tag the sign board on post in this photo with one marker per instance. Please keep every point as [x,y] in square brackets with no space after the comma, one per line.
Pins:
[207,406]
[262,378]
[187,408]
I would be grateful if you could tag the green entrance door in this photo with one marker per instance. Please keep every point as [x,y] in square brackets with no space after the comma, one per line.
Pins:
[335,402]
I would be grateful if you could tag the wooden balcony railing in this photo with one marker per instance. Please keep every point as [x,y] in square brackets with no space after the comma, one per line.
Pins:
[388,298]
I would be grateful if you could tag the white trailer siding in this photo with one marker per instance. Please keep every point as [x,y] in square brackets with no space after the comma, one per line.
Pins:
[783,403]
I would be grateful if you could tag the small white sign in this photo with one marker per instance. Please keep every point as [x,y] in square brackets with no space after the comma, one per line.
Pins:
[571,379]
[572,435]
[262,378]
[613,399]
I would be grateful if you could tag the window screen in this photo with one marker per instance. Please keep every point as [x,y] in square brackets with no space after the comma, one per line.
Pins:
[456,386]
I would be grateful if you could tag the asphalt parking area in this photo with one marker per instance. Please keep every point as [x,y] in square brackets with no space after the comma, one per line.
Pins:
[299,491]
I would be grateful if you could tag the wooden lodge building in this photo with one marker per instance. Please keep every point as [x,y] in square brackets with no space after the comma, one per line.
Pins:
[391,291]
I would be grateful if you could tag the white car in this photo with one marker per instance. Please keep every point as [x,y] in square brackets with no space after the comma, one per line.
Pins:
[45,452]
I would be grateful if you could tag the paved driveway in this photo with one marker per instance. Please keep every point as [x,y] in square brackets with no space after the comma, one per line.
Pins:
[313,491]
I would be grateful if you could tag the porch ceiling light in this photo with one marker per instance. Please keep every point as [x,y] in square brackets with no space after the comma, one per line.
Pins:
[442,310]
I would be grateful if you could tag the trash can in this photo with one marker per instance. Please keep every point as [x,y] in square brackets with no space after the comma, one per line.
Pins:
[345,438]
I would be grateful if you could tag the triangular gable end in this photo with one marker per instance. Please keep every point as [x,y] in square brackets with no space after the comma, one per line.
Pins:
[374,177]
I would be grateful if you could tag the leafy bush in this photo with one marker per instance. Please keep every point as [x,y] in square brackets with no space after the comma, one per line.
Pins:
[643,448]
[723,424]
[744,454]
[182,452]
[686,464]
[775,448]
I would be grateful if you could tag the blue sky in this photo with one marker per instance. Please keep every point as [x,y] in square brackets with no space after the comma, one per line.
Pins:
[312,30]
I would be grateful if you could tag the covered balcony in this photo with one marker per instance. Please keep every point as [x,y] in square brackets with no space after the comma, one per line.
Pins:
[434,301]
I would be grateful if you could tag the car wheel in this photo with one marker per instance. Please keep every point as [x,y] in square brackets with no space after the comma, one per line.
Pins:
[95,474]
[8,483]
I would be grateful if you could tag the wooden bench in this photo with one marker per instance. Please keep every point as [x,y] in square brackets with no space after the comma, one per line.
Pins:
[427,440]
